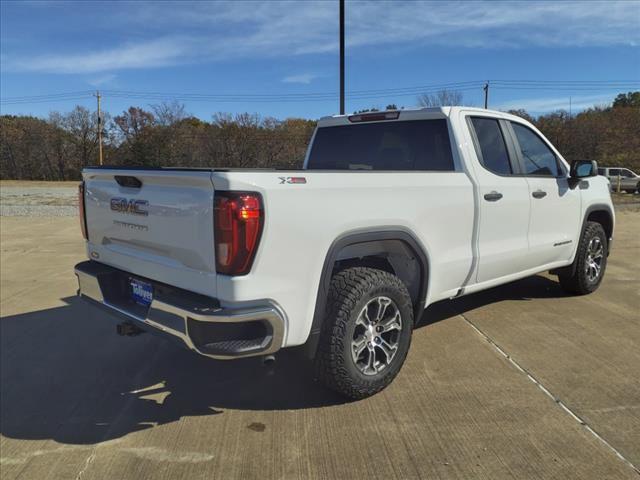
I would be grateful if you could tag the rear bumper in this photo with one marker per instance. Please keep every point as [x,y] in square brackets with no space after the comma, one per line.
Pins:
[198,322]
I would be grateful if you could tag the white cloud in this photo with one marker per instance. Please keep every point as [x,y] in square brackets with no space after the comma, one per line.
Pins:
[102,80]
[155,53]
[541,105]
[304,78]
[230,30]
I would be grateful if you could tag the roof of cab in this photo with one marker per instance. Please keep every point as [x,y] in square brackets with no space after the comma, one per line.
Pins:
[411,114]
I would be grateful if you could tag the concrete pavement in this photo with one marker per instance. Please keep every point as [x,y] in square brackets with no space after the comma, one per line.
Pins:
[77,401]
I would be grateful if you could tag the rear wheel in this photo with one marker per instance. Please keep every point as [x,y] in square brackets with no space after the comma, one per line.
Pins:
[590,262]
[366,332]
[634,190]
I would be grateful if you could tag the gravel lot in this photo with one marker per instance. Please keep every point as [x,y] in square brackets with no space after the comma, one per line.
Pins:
[38,199]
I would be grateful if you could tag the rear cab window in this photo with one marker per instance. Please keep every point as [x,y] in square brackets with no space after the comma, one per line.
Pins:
[393,145]
[490,145]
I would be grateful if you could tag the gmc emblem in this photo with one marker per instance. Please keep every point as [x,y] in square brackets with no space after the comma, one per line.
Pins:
[131,207]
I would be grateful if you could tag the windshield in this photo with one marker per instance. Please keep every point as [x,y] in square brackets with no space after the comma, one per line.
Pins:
[397,145]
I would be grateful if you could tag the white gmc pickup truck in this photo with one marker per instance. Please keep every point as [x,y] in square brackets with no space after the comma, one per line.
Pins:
[391,212]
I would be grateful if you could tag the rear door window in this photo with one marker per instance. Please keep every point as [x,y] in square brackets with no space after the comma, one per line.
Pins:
[537,157]
[395,145]
[493,149]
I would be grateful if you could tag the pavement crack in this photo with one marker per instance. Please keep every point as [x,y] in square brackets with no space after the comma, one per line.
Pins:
[87,462]
[548,393]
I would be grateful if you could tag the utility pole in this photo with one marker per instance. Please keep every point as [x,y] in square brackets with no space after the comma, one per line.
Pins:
[98,96]
[486,95]
[341,57]
[570,108]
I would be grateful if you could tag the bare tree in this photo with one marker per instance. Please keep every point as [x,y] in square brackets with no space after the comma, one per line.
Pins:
[82,125]
[136,129]
[57,148]
[522,113]
[134,121]
[169,113]
[441,98]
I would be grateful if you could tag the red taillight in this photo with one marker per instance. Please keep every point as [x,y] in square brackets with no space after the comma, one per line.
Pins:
[83,218]
[238,219]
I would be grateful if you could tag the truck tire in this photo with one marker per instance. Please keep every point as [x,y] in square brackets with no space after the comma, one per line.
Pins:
[366,332]
[590,262]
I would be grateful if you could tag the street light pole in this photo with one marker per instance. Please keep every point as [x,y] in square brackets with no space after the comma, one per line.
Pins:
[486,94]
[341,57]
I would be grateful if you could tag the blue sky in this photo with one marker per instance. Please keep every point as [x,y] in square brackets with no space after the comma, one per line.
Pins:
[259,51]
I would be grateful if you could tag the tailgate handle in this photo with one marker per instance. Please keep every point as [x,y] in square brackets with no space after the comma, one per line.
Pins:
[128,181]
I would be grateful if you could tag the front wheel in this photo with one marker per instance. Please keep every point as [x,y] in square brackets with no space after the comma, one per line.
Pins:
[366,332]
[590,262]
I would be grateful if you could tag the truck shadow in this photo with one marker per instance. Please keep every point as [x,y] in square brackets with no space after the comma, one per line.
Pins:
[66,376]
[529,288]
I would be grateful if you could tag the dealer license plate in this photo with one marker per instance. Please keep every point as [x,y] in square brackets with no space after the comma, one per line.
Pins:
[141,292]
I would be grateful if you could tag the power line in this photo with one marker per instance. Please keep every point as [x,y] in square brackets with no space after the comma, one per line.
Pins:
[52,99]
[522,85]
[325,95]
[566,81]
[235,96]
[270,100]
[370,91]
[566,88]
[48,95]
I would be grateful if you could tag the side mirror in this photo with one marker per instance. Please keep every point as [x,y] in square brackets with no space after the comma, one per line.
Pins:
[584,169]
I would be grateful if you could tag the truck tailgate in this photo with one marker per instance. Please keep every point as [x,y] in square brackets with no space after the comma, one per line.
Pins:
[161,229]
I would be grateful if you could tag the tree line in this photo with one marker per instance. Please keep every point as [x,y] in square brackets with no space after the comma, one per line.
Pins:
[58,147]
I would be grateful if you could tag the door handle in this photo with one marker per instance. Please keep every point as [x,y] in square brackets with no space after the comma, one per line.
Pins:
[539,194]
[493,196]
